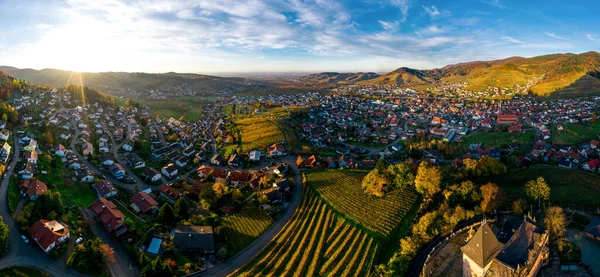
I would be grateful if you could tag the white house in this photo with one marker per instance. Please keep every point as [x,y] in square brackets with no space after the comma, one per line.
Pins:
[49,234]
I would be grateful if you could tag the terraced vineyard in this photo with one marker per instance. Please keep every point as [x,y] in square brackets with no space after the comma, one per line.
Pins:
[258,133]
[243,228]
[342,189]
[315,242]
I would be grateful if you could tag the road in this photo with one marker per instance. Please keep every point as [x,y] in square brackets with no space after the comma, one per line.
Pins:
[21,253]
[246,254]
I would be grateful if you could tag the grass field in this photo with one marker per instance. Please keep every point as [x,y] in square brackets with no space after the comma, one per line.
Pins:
[13,193]
[80,195]
[575,133]
[22,272]
[497,139]
[568,187]
[315,242]
[258,133]
[342,190]
[243,228]
[188,107]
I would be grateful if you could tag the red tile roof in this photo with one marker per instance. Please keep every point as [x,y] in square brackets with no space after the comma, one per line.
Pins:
[46,232]
[144,201]
[108,213]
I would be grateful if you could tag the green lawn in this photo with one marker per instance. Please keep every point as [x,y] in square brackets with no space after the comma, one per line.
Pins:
[13,193]
[497,139]
[58,179]
[569,187]
[190,108]
[575,133]
[22,272]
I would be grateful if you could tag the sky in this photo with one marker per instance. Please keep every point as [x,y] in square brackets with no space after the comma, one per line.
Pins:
[211,36]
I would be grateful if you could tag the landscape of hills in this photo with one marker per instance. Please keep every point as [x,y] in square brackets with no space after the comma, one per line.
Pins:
[338,78]
[559,73]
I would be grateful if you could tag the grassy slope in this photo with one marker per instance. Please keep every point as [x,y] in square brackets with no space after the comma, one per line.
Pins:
[497,139]
[575,133]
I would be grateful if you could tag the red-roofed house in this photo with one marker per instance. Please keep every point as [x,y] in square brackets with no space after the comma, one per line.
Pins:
[591,165]
[105,189]
[170,193]
[49,234]
[110,216]
[507,119]
[144,203]
[32,189]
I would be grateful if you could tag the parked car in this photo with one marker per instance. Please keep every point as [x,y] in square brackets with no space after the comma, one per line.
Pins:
[79,240]
[25,239]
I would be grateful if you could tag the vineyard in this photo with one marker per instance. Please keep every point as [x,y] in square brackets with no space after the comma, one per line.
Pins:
[315,242]
[342,190]
[243,228]
[258,133]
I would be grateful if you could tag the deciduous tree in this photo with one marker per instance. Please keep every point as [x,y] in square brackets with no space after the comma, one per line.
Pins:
[519,207]
[4,232]
[538,189]
[492,196]
[556,221]
[401,175]
[428,179]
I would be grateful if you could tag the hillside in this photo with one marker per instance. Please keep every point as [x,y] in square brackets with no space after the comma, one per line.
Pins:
[562,73]
[166,82]
[337,78]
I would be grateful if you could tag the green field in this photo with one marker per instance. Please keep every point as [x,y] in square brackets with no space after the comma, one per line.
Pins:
[22,272]
[315,242]
[497,139]
[190,108]
[13,193]
[342,190]
[569,187]
[575,133]
[57,179]
[244,227]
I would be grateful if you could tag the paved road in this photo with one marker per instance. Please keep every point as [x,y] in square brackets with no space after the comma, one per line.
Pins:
[246,254]
[20,253]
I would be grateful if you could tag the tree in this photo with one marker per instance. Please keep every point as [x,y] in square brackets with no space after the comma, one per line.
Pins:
[156,268]
[492,196]
[538,189]
[375,183]
[4,232]
[220,189]
[4,117]
[470,164]
[488,166]
[409,246]
[181,208]
[428,179]
[107,252]
[166,214]
[230,140]
[237,194]
[380,165]
[556,221]
[401,175]
[519,207]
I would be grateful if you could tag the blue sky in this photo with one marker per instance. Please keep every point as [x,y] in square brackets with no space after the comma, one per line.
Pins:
[212,36]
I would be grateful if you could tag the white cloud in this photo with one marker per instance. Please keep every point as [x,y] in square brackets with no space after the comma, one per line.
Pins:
[43,26]
[513,40]
[431,30]
[434,12]
[404,5]
[553,35]
[591,37]
[495,3]
[389,26]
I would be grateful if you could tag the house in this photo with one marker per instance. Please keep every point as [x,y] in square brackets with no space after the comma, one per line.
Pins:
[5,152]
[32,190]
[201,155]
[183,161]
[170,193]
[105,189]
[216,160]
[194,238]
[60,150]
[106,160]
[276,150]
[31,156]
[27,171]
[592,230]
[281,169]
[110,216]
[117,170]
[521,253]
[135,161]
[49,234]
[591,165]
[273,194]
[128,146]
[84,175]
[151,174]
[565,163]
[507,119]
[4,134]
[254,156]
[169,170]
[142,202]
[283,184]
[2,124]
[189,151]
[235,160]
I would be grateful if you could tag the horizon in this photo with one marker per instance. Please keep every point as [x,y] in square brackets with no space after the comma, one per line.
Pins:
[218,37]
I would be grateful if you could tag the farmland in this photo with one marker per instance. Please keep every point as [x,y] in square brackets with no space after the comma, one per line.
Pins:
[242,228]
[315,242]
[342,190]
[258,133]
[575,133]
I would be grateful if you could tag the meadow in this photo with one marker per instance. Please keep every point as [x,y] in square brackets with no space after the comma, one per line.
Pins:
[342,190]
[497,139]
[243,228]
[575,133]
[315,242]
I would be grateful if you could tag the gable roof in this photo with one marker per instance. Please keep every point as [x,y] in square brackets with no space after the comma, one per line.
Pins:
[483,247]
[194,237]
[46,232]
[144,201]
[35,187]
[108,213]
